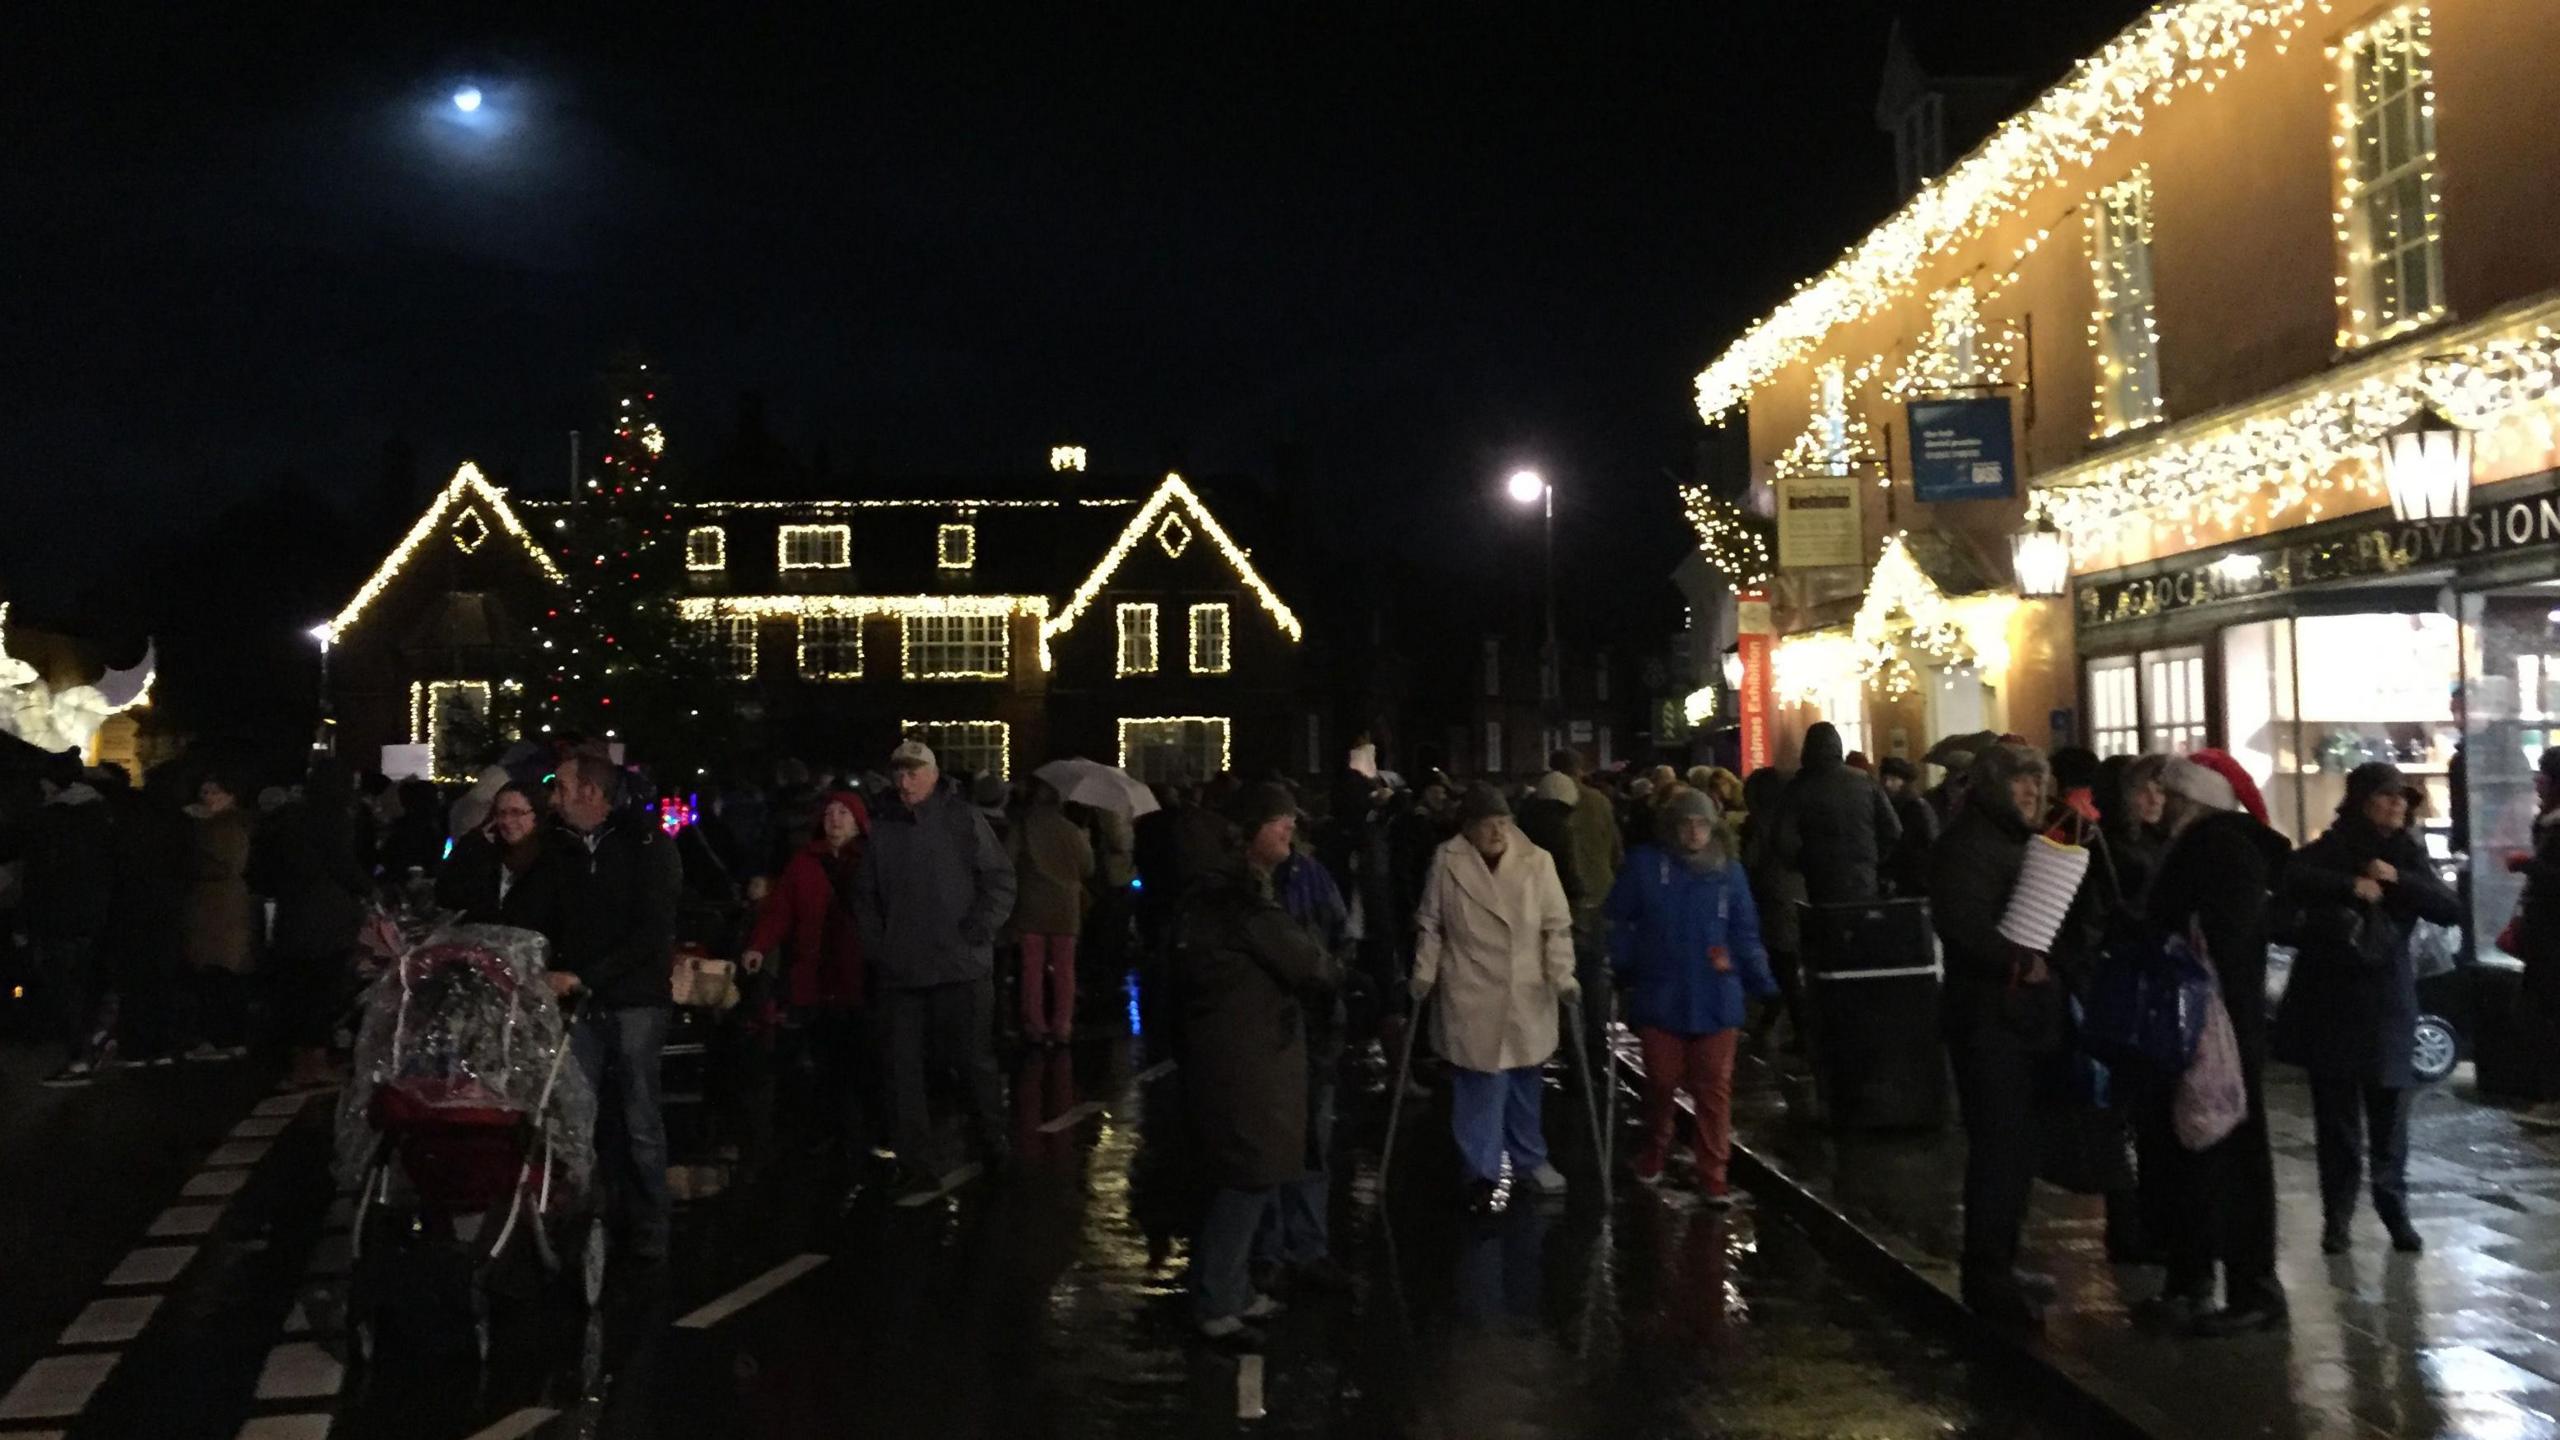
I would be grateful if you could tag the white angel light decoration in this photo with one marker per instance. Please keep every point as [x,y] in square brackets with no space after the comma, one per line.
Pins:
[66,719]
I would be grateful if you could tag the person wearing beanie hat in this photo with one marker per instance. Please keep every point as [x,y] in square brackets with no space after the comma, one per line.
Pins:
[1053,872]
[1834,826]
[1494,953]
[1684,943]
[2202,865]
[934,889]
[807,929]
[2350,1012]
[1245,965]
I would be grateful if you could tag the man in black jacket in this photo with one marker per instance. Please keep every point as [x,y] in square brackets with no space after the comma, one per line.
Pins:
[1835,825]
[617,939]
[2003,1012]
[934,888]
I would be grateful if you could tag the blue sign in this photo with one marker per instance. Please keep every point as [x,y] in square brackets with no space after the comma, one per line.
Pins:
[1962,449]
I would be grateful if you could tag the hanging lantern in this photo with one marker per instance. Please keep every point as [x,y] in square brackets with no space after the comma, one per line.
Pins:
[1733,669]
[2041,559]
[2426,464]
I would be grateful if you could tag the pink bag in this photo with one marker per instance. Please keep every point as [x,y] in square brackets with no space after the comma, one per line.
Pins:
[2213,1097]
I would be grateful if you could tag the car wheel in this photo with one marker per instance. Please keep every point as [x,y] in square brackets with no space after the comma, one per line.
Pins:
[2437,1051]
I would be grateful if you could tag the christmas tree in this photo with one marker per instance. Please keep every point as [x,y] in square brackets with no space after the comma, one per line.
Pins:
[623,664]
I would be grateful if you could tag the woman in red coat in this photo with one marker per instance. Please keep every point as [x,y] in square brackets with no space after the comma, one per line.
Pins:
[807,929]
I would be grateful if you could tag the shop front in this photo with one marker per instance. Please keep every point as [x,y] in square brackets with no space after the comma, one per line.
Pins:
[2434,645]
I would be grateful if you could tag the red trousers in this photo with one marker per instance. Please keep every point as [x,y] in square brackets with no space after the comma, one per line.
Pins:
[1048,1009]
[1703,1066]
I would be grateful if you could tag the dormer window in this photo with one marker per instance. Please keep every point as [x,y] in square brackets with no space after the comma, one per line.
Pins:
[956,547]
[706,547]
[815,547]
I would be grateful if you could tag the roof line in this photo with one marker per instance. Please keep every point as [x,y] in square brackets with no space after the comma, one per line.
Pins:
[467,480]
[1174,489]
[2105,95]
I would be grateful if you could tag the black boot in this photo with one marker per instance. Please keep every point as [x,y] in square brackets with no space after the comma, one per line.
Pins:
[2001,1300]
[2334,1239]
[2404,1236]
[2253,1308]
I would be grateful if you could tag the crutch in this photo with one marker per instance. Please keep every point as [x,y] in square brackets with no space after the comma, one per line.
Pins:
[1591,1102]
[1395,1105]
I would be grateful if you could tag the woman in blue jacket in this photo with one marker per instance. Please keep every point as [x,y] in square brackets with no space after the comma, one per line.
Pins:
[1684,942]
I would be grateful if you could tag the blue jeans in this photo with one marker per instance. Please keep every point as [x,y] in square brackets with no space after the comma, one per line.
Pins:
[618,1051]
[1299,1227]
[1496,1110]
[1222,1253]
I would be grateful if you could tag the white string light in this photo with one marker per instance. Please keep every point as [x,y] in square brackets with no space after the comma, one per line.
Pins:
[467,487]
[1171,493]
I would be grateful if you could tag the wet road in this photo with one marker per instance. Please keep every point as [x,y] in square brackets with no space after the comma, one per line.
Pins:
[1033,1308]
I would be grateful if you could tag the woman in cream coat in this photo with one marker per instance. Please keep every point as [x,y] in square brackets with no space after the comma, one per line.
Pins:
[1496,944]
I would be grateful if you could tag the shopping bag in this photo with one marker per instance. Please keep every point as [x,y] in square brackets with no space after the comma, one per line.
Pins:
[2213,1096]
[2433,949]
[2147,1001]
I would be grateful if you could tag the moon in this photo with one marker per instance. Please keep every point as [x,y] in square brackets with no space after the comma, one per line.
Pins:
[467,99]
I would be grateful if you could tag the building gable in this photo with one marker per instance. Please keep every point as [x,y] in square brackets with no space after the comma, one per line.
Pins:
[1175,521]
[471,515]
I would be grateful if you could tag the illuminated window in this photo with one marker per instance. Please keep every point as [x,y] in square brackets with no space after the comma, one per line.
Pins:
[956,647]
[816,547]
[2115,711]
[2121,326]
[1209,639]
[2173,700]
[735,639]
[1175,749]
[831,647]
[451,718]
[956,547]
[2389,220]
[1137,640]
[706,547]
[966,747]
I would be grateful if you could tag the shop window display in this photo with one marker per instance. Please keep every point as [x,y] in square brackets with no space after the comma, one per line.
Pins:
[2511,664]
[2310,698]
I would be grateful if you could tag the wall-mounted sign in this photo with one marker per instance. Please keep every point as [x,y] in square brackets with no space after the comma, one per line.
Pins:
[1818,522]
[1963,449]
[1755,634]
[2358,548]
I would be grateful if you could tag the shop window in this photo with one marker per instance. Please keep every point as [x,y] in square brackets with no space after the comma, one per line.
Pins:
[2511,711]
[2308,699]
[2390,218]
[1209,639]
[2115,712]
[1174,749]
[706,547]
[966,747]
[815,547]
[956,647]
[2174,715]
[1137,640]
[2128,378]
[831,647]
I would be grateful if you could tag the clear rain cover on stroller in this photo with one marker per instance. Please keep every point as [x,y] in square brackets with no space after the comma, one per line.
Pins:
[467,1017]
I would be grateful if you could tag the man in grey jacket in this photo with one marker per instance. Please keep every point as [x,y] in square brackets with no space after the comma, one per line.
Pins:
[934,888]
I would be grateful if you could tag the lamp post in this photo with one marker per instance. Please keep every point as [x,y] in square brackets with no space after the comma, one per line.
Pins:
[1528,487]
[2041,559]
[327,635]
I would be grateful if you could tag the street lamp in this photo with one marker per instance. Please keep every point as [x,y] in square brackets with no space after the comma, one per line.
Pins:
[2041,559]
[1528,487]
[1733,669]
[326,634]
[2426,465]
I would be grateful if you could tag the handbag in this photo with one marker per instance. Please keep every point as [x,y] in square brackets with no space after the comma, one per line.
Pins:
[2433,949]
[699,980]
[2213,1095]
[2148,1000]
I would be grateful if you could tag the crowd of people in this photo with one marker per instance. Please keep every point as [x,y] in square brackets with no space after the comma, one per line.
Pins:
[1282,938]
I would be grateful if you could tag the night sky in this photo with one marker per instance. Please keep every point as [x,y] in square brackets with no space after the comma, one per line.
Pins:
[1418,251]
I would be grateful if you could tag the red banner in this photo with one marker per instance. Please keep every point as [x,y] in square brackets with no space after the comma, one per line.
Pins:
[1754,640]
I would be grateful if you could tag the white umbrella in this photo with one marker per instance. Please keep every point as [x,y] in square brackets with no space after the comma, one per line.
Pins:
[1104,787]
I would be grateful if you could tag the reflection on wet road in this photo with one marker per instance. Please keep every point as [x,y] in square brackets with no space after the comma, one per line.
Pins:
[1045,1307]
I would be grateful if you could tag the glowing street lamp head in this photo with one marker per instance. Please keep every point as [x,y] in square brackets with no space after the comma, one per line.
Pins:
[467,99]
[1526,486]
[325,633]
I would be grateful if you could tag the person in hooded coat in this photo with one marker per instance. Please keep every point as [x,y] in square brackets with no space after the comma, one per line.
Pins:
[1495,952]
[2216,864]
[1835,825]
[221,921]
[2535,938]
[1243,965]
[1053,869]
[1906,864]
[2003,1013]
[1684,940]
[304,859]
[2350,1011]
[1776,891]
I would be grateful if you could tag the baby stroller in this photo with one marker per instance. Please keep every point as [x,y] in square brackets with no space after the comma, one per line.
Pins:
[467,1132]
